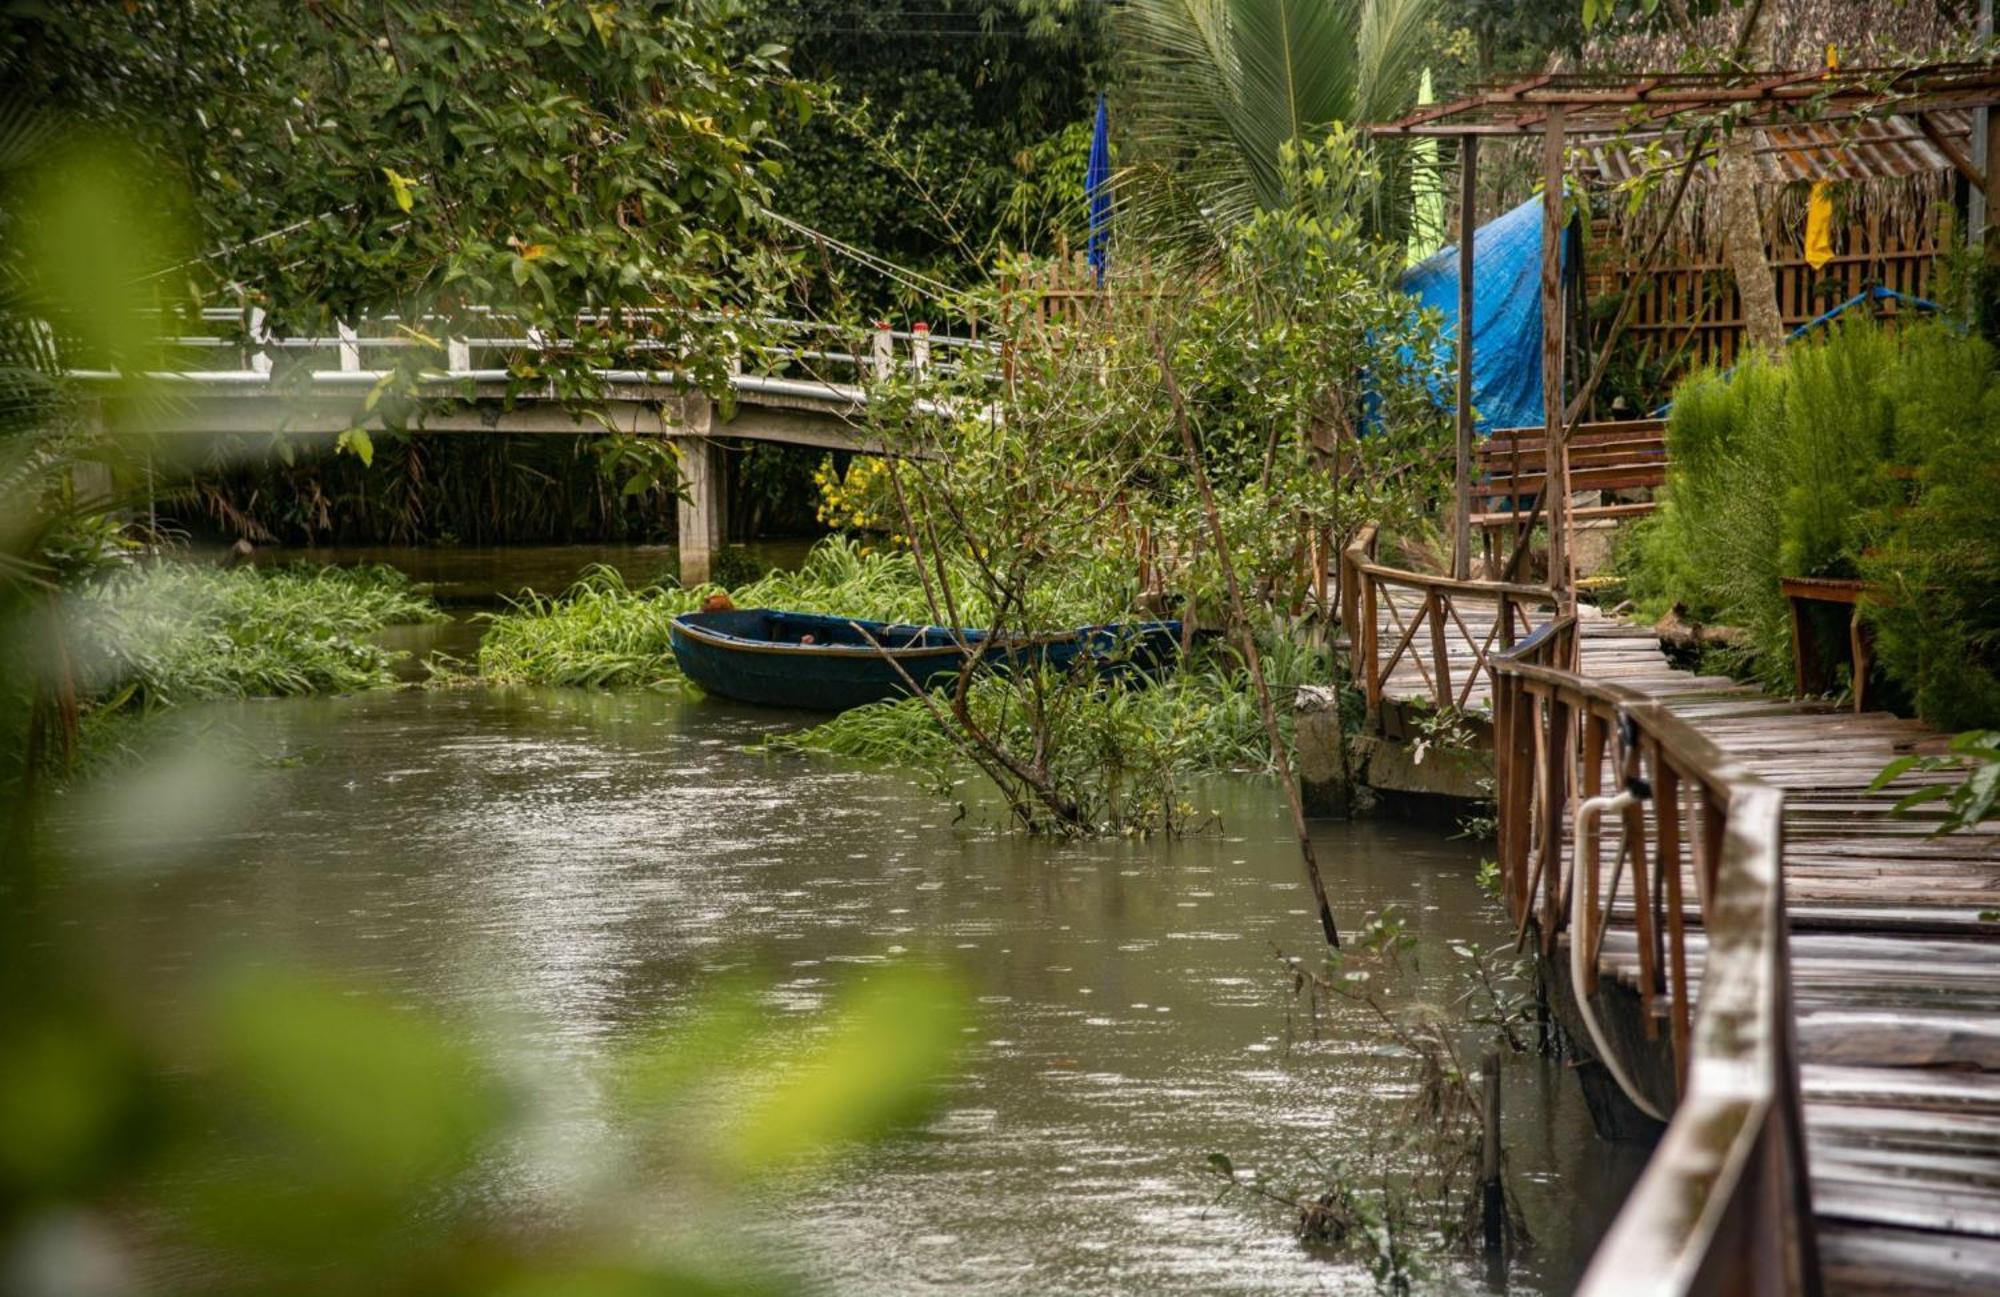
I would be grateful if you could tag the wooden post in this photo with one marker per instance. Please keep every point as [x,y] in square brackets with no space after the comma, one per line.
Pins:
[1434,608]
[1493,1196]
[920,347]
[1979,201]
[1468,176]
[1556,443]
[350,348]
[1556,764]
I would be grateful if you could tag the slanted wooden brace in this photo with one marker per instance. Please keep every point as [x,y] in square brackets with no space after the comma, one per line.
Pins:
[1478,617]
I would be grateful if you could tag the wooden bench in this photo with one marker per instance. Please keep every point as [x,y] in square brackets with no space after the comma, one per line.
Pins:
[1513,467]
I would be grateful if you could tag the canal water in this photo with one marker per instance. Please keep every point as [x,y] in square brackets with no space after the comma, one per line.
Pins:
[561,870]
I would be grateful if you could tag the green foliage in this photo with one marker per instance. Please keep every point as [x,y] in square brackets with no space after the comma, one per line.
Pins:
[1935,561]
[352,159]
[1217,91]
[1200,719]
[1975,755]
[958,130]
[1029,495]
[1866,454]
[173,633]
[297,1133]
[600,632]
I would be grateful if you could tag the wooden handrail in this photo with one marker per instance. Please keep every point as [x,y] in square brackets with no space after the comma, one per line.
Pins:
[1724,1204]
[1367,606]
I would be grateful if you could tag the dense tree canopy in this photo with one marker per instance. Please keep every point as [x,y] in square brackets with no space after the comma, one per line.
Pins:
[338,158]
[960,128]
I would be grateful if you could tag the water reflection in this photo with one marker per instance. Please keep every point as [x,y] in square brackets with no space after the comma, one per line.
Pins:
[558,867]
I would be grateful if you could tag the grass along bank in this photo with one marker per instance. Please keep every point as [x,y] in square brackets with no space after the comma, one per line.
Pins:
[170,633]
[1130,739]
[602,632]
[1202,719]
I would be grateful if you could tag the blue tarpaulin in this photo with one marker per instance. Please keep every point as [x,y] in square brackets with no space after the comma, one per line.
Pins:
[1506,313]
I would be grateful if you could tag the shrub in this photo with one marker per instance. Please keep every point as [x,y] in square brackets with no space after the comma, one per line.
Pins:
[173,633]
[1868,454]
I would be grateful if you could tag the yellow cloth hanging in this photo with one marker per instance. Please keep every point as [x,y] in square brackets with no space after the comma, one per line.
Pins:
[1819,226]
[1819,208]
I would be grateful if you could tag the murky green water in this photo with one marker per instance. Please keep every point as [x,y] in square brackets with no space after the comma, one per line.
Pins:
[561,868]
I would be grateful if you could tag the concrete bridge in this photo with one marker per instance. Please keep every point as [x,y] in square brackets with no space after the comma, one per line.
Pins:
[328,385]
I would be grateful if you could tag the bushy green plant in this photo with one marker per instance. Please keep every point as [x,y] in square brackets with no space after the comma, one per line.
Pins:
[1934,563]
[172,633]
[1867,454]
[1200,719]
[601,632]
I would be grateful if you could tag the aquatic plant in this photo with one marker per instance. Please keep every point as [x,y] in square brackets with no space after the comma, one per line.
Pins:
[1202,718]
[1403,1198]
[603,633]
[170,632]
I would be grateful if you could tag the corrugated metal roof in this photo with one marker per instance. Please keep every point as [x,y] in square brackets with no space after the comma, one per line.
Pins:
[1854,148]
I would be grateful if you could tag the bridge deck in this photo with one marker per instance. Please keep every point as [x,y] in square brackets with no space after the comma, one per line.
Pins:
[1896,977]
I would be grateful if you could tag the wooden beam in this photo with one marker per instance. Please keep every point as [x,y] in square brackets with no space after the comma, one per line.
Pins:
[1991,189]
[1949,147]
[1468,190]
[1554,426]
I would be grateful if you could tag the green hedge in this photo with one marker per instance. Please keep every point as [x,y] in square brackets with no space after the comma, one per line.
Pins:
[1864,454]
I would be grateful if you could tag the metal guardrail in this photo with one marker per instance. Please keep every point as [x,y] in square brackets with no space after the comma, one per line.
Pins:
[1724,1205]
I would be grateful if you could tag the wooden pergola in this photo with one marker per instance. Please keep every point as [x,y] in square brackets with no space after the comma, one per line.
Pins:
[1592,108]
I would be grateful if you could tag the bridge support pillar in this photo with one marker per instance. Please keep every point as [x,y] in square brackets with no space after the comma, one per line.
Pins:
[701,519]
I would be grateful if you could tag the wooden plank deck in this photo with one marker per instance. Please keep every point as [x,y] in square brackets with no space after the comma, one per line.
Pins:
[1896,978]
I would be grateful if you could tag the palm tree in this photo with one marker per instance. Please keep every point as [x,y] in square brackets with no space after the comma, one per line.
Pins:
[1217,88]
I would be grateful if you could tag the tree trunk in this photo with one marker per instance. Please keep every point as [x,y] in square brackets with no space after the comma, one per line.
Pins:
[1742,231]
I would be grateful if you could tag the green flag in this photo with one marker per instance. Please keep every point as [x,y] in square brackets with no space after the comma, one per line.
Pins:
[1426,193]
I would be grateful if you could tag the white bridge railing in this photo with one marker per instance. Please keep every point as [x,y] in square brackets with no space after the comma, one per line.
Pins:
[785,357]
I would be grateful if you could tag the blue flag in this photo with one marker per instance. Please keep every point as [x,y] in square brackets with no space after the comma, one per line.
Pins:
[1098,186]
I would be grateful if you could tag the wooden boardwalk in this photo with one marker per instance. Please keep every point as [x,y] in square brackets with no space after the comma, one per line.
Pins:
[1896,980]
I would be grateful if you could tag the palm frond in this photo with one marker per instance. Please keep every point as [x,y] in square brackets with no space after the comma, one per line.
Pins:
[1219,87]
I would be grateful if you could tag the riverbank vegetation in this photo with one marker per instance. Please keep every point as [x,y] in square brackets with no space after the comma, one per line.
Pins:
[601,632]
[1118,748]
[145,637]
[1404,1199]
[1869,455]
[171,633]
[1196,451]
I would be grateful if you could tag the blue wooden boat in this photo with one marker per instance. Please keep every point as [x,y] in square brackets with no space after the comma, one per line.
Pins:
[823,663]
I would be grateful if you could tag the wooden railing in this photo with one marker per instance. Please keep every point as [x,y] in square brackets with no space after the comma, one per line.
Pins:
[1386,608]
[1724,1205]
